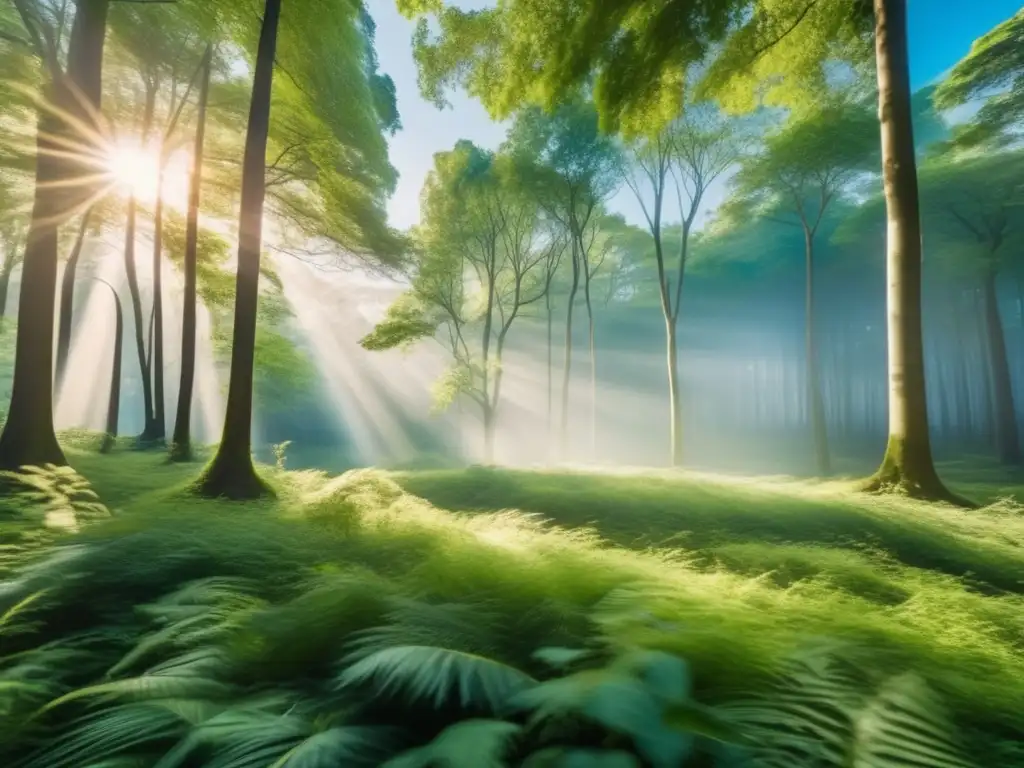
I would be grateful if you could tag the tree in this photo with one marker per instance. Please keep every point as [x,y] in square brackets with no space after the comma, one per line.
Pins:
[12,235]
[164,44]
[332,93]
[181,443]
[570,169]
[972,203]
[769,52]
[114,398]
[689,154]
[66,121]
[794,42]
[231,473]
[994,68]
[803,168]
[480,265]
[67,297]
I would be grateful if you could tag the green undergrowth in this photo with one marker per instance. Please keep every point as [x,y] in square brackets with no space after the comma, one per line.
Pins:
[712,514]
[350,622]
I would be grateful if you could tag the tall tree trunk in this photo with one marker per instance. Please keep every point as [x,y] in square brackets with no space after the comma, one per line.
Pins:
[1007,437]
[181,441]
[674,394]
[114,400]
[28,436]
[907,463]
[488,417]
[157,343]
[5,282]
[986,382]
[593,364]
[815,402]
[140,330]
[567,365]
[67,301]
[547,307]
[231,473]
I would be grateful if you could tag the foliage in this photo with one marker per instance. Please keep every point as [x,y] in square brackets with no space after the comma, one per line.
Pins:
[806,164]
[969,206]
[638,56]
[994,70]
[787,53]
[481,251]
[358,625]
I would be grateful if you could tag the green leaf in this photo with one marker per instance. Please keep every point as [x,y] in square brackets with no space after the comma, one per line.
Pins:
[468,744]
[560,658]
[581,758]
[423,672]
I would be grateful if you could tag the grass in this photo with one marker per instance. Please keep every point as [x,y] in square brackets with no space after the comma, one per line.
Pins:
[732,575]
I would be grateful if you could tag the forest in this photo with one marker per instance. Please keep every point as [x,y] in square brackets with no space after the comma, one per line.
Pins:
[511,384]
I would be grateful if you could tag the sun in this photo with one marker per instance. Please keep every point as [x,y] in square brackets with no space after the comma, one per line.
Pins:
[134,169]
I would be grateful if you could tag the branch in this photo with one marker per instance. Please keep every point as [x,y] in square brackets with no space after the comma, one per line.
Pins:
[761,50]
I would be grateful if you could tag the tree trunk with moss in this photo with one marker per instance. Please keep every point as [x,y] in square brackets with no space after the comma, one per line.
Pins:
[907,464]
[181,441]
[231,474]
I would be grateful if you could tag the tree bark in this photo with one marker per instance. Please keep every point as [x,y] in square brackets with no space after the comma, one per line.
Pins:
[231,474]
[674,394]
[157,342]
[140,333]
[593,361]
[114,400]
[28,436]
[1005,413]
[547,307]
[815,402]
[67,301]
[907,463]
[567,365]
[489,419]
[181,441]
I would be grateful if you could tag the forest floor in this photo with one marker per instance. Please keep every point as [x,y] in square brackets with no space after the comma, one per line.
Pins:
[732,574]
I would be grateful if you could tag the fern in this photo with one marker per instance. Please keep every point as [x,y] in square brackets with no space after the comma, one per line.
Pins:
[423,672]
[581,758]
[820,715]
[259,735]
[109,733]
[903,726]
[467,744]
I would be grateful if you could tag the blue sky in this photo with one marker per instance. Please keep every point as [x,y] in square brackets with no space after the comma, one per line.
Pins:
[941,32]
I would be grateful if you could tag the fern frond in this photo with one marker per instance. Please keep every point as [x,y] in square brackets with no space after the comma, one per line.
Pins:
[467,627]
[904,726]
[561,658]
[336,746]
[468,744]
[423,672]
[581,758]
[107,734]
